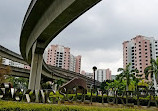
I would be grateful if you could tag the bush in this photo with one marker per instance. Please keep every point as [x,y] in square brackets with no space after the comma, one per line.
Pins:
[20,106]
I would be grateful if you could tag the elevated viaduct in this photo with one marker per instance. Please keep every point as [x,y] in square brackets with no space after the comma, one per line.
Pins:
[48,72]
[43,21]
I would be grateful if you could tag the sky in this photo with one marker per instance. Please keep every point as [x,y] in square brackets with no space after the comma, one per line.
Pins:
[97,35]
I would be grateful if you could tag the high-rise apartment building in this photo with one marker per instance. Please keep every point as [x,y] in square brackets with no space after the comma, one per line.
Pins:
[78,64]
[72,65]
[60,56]
[108,74]
[139,52]
[103,74]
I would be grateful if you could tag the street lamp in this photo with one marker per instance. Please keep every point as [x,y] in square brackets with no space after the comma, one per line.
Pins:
[94,69]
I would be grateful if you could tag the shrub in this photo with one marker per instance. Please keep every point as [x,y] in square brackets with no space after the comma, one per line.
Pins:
[21,106]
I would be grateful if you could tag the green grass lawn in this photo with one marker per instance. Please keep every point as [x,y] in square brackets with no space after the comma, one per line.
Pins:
[22,106]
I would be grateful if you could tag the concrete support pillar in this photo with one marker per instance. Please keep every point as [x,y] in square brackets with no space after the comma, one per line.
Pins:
[36,69]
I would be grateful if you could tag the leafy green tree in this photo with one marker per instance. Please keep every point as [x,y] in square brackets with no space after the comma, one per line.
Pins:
[117,85]
[104,84]
[152,70]
[59,82]
[126,74]
[46,85]
[137,79]
[19,82]
[143,83]
[132,85]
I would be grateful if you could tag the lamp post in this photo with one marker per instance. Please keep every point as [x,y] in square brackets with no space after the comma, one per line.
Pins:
[94,69]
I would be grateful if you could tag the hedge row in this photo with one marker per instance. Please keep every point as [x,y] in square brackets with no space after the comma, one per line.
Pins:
[21,106]
[143,101]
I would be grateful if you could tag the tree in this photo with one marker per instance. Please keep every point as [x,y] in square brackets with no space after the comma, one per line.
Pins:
[19,82]
[143,83]
[126,74]
[152,70]
[4,71]
[59,82]
[137,79]
[104,84]
[116,85]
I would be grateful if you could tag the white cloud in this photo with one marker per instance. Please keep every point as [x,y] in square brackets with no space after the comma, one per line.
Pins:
[101,58]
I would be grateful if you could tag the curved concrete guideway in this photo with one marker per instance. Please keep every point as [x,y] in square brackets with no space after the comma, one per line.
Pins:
[48,72]
[42,23]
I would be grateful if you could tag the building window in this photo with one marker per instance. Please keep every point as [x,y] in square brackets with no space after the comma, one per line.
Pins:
[140,71]
[155,41]
[145,42]
[155,45]
[145,49]
[139,45]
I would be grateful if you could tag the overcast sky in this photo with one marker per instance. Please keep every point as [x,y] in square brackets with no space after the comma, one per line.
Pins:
[97,35]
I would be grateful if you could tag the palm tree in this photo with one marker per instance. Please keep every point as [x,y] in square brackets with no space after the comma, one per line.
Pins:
[153,71]
[126,74]
[137,79]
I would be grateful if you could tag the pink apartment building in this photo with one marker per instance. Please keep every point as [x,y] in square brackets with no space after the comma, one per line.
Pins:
[139,52]
[60,56]
[108,74]
[78,64]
